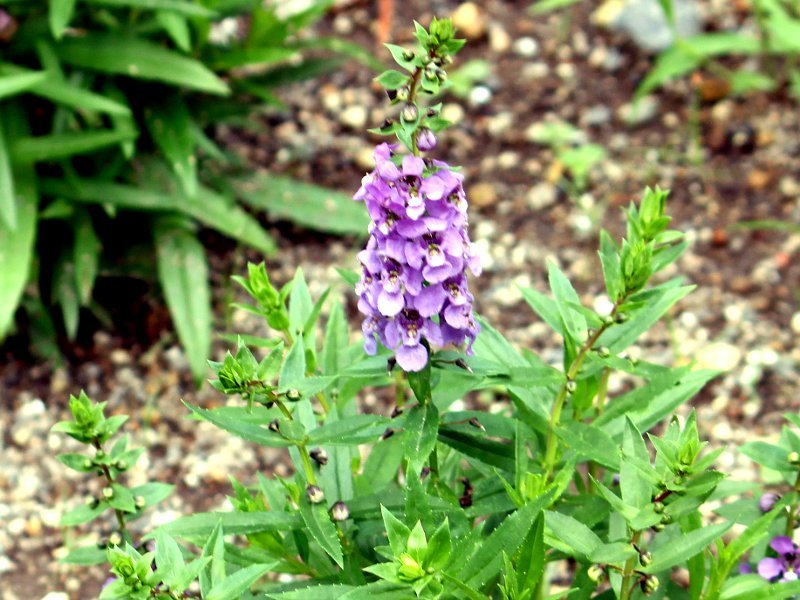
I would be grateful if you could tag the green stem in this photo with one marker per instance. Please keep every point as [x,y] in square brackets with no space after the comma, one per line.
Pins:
[110,480]
[308,468]
[793,509]
[627,585]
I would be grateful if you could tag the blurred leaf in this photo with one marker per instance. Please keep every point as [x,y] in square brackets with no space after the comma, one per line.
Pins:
[304,203]
[65,293]
[16,83]
[86,556]
[85,255]
[544,6]
[65,145]
[65,93]
[17,245]
[185,7]
[183,273]
[8,203]
[241,57]
[137,58]
[209,208]
[60,14]
[343,47]
[170,126]
[177,28]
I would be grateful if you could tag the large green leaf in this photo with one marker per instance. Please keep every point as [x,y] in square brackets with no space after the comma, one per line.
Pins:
[183,273]
[65,145]
[208,207]
[170,125]
[234,587]
[193,9]
[319,525]
[62,92]
[419,439]
[16,245]
[8,203]
[201,525]
[140,59]
[306,204]
[680,549]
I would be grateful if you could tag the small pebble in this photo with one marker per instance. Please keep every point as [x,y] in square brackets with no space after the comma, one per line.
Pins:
[526,47]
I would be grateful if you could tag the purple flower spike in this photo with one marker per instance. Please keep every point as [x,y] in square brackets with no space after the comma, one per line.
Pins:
[786,566]
[413,286]
[767,502]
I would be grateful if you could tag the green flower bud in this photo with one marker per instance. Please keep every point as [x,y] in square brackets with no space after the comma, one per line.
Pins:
[658,527]
[794,458]
[293,394]
[572,386]
[410,569]
[658,507]
[100,454]
[274,426]
[108,492]
[408,55]
[596,573]
[115,539]
[139,502]
[92,502]
[430,74]
[603,352]
[620,317]
[649,584]
[645,558]
[87,464]
[120,465]
[320,456]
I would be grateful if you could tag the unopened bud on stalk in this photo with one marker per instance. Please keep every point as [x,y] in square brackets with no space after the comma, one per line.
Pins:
[645,558]
[320,456]
[108,492]
[315,494]
[274,426]
[649,584]
[139,502]
[658,507]
[794,458]
[477,424]
[410,113]
[402,93]
[426,141]
[767,502]
[293,394]
[115,539]
[387,434]
[603,352]
[340,512]
[408,55]
[596,573]
[92,502]
[87,464]
[120,465]
[571,386]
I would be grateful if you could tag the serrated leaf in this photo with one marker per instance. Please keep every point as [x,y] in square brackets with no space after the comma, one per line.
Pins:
[350,430]
[201,525]
[570,535]
[419,439]
[684,547]
[140,59]
[234,586]
[247,431]
[183,274]
[319,525]
[294,365]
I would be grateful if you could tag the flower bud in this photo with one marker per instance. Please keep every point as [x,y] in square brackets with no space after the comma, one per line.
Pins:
[387,434]
[320,456]
[658,527]
[115,539]
[571,386]
[108,492]
[596,573]
[477,424]
[339,511]
[120,465]
[274,426]
[315,494]
[408,55]
[293,394]
[794,459]
[410,113]
[426,140]
[430,74]
[92,502]
[658,507]
[603,352]
[620,317]
[402,93]
[396,412]
[139,502]
[767,502]
[645,558]
[100,454]
[87,464]
[649,584]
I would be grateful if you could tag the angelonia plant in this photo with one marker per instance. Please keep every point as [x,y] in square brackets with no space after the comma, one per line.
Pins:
[558,489]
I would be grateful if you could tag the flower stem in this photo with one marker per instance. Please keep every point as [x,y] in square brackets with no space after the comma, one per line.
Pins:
[792,509]
[626,587]
[110,480]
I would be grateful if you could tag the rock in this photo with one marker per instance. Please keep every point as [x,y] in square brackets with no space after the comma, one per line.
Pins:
[526,47]
[453,113]
[482,195]
[796,322]
[596,116]
[499,40]
[499,123]
[470,21]
[638,112]
[789,186]
[541,196]
[354,116]
[646,24]
[535,70]
[719,355]
[480,95]
[56,596]
[365,159]
[608,59]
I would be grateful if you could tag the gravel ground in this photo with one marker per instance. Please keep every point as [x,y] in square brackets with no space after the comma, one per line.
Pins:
[742,319]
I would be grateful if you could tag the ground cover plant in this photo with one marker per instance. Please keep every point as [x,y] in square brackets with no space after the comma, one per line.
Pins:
[107,166]
[563,491]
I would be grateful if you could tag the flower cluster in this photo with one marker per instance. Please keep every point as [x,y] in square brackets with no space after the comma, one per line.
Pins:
[784,567]
[413,285]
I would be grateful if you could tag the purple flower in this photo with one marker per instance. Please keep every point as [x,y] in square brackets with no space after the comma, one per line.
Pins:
[413,287]
[426,140]
[767,502]
[787,564]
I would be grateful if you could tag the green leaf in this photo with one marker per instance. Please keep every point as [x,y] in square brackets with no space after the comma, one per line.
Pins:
[590,443]
[60,15]
[170,559]
[636,491]
[153,492]
[570,535]
[8,203]
[565,294]
[544,6]
[612,271]
[294,365]
[16,245]
[85,255]
[684,547]
[183,274]
[86,556]
[530,565]
[82,514]
[355,429]
[767,455]
[419,439]
[140,59]
[240,57]
[65,145]
[753,587]
[122,499]
[170,127]
[214,572]
[18,83]
[308,205]
[234,586]
[396,531]
[319,525]
[334,348]
[177,28]
[487,560]
[246,431]
[201,525]
[184,7]
[391,79]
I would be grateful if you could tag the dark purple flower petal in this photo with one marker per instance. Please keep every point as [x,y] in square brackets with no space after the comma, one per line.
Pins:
[783,545]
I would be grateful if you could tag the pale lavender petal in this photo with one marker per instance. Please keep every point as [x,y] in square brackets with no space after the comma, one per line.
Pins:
[413,165]
[430,299]
[390,304]
[412,358]
[770,568]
